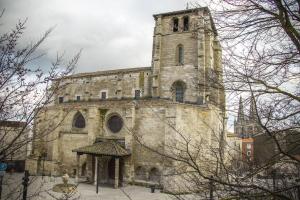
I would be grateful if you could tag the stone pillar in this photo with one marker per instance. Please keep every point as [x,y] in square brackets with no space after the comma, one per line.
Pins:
[78,168]
[117,172]
[96,170]
[156,56]
[201,44]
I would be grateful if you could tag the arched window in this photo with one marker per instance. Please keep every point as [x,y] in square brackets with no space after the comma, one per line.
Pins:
[78,121]
[178,89]
[179,93]
[154,175]
[175,24]
[180,54]
[186,23]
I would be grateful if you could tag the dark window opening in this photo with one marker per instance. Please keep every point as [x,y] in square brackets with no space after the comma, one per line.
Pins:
[137,94]
[60,99]
[103,95]
[115,123]
[77,98]
[185,23]
[79,121]
[175,24]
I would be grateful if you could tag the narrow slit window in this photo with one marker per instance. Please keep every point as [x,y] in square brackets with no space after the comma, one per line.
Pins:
[175,24]
[180,55]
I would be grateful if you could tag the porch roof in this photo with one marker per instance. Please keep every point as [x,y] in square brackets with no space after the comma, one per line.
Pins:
[106,148]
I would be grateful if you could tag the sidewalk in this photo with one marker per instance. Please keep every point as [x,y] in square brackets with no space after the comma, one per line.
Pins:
[41,189]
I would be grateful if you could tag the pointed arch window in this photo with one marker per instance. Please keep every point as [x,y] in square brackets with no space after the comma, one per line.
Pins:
[78,121]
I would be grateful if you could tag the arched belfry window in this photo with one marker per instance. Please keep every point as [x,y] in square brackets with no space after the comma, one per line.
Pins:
[78,120]
[178,89]
[180,54]
[175,24]
[186,23]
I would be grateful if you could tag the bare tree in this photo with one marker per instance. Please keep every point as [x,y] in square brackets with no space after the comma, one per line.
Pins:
[261,44]
[25,89]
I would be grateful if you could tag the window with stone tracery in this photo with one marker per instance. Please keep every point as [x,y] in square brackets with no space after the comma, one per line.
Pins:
[78,121]
[115,123]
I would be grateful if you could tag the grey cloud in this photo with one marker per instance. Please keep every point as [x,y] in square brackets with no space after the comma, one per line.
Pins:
[112,34]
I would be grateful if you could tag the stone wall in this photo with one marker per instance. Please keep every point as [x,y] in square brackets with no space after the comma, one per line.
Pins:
[116,84]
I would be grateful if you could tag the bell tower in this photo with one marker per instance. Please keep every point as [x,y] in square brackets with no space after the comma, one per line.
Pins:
[186,50]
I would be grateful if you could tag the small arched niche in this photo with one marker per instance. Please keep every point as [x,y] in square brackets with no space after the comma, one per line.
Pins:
[78,120]
[154,175]
[140,173]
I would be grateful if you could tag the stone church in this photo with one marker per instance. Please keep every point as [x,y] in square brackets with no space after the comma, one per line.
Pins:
[99,119]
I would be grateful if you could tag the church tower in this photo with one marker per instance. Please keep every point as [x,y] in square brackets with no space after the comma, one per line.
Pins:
[246,125]
[186,58]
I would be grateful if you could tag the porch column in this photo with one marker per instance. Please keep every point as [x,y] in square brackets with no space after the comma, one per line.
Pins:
[96,170]
[78,168]
[116,172]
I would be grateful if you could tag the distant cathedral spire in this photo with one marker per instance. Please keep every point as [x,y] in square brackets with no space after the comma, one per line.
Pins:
[241,116]
[252,112]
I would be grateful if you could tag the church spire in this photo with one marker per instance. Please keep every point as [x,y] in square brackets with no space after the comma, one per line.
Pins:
[252,114]
[241,116]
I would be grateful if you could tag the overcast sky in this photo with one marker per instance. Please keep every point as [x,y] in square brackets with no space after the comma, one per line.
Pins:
[112,33]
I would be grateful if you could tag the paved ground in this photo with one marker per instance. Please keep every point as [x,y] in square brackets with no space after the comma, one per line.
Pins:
[41,189]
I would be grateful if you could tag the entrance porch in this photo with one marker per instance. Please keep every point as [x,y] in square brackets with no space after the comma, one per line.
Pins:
[107,160]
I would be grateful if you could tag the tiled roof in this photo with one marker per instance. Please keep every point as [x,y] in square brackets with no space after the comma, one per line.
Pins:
[109,72]
[107,148]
